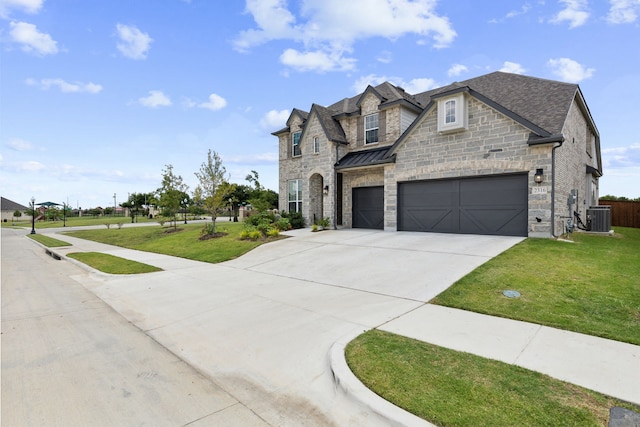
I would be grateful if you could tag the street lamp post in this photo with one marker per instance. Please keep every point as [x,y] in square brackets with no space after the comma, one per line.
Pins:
[185,201]
[64,214]
[33,215]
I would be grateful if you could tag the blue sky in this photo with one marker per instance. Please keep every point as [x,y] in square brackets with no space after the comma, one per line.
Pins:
[96,97]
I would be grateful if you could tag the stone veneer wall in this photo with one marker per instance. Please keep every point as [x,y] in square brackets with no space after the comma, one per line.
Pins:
[570,167]
[314,169]
[491,144]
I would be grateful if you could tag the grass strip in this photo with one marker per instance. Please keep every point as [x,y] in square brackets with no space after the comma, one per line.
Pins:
[185,242]
[47,241]
[450,388]
[112,264]
[590,286]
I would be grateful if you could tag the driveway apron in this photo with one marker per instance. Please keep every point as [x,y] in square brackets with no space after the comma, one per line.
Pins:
[262,326]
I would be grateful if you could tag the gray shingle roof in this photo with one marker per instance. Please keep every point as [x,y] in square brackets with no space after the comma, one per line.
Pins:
[542,102]
[10,205]
[331,127]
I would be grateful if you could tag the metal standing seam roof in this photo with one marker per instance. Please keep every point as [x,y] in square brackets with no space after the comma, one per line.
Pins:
[355,159]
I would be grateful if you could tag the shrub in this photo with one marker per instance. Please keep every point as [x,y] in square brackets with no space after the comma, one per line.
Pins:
[273,232]
[283,224]
[261,217]
[255,234]
[295,219]
[324,223]
[119,225]
[107,225]
[207,229]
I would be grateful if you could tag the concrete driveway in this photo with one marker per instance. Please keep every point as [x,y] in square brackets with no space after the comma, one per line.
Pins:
[262,326]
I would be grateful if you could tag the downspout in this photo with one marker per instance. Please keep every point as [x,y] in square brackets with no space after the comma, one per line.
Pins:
[553,187]
[335,191]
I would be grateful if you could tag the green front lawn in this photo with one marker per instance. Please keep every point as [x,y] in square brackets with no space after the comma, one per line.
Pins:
[451,388]
[47,241]
[112,264]
[183,243]
[591,286]
[77,222]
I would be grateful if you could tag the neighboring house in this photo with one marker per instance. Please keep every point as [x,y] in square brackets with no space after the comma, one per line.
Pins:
[458,159]
[8,207]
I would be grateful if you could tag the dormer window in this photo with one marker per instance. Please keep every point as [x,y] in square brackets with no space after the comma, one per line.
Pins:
[371,128]
[452,113]
[296,144]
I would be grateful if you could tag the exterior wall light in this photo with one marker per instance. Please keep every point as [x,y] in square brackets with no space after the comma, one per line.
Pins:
[326,190]
[538,177]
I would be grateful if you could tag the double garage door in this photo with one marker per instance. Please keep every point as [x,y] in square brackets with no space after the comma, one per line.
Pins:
[493,205]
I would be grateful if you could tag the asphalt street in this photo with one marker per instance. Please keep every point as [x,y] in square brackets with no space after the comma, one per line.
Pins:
[68,359]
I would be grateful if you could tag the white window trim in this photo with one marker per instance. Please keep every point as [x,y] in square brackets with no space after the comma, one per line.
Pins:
[316,145]
[293,144]
[460,114]
[372,128]
[297,199]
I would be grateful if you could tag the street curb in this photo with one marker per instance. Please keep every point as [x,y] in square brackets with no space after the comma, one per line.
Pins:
[351,386]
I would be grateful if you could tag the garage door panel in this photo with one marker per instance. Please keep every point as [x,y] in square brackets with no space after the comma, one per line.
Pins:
[494,205]
[368,207]
[492,221]
[436,220]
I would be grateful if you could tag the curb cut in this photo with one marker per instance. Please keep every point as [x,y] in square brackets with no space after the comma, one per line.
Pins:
[351,386]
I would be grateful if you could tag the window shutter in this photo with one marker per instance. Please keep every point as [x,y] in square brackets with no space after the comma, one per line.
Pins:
[382,126]
[360,133]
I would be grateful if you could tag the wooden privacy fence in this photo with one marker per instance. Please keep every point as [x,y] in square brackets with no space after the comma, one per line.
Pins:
[623,213]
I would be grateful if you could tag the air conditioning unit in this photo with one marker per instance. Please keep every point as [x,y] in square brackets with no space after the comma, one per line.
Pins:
[599,218]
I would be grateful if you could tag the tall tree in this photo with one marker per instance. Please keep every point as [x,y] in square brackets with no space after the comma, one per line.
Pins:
[171,194]
[214,187]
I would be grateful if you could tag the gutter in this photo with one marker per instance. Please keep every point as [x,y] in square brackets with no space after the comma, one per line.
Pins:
[553,182]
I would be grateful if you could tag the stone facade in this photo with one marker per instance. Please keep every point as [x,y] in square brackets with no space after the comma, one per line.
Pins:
[493,143]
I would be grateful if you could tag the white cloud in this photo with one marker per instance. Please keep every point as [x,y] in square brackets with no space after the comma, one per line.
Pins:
[623,11]
[30,166]
[412,86]
[275,119]
[31,39]
[419,85]
[574,12]
[215,103]
[28,6]
[317,61]
[512,67]
[385,57]
[18,144]
[66,87]
[622,157]
[328,29]
[569,70]
[512,14]
[457,69]
[155,99]
[133,43]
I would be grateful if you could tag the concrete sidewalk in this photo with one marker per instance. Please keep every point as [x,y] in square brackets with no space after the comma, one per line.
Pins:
[285,308]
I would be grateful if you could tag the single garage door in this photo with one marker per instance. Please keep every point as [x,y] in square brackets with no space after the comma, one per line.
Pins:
[368,207]
[495,205]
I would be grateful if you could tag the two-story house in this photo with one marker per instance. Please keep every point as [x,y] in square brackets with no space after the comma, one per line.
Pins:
[499,154]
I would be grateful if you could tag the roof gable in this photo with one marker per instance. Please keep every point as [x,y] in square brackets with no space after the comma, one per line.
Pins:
[330,126]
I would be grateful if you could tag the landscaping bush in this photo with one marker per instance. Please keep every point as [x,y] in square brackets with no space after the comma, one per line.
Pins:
[262,225]
[282,224]
[295,219]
